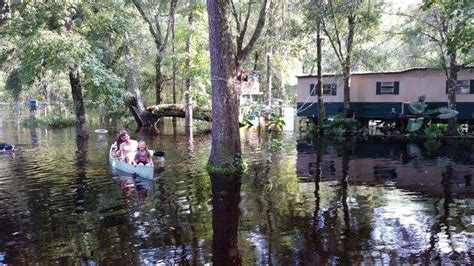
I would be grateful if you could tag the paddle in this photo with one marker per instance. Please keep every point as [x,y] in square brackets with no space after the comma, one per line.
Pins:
[159,153]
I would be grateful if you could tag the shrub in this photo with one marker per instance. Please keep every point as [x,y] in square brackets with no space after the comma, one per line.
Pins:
[52,121]
[277,123]
[434,131]
[339,126]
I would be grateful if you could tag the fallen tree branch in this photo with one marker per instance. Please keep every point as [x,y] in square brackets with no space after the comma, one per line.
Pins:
[156,112]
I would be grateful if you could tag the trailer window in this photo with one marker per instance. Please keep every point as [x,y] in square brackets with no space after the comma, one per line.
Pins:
[463,87]
[387,87]
[312,89]
[329,89]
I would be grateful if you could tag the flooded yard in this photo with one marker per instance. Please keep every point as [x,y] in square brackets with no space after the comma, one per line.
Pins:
[301,201]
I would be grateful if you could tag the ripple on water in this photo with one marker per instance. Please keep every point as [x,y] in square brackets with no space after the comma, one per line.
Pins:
[57,204]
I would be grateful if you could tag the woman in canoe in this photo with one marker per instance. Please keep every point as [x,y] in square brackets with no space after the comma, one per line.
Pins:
[127,148]
[120,139]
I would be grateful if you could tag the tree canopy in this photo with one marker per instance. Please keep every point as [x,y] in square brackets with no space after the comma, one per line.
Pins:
[109,41]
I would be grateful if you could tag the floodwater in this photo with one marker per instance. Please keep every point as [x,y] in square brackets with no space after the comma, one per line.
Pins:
[301,201]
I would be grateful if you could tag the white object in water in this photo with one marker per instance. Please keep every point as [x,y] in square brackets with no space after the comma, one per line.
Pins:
[101,131]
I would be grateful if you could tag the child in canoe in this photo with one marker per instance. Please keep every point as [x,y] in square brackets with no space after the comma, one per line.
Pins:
[142,157]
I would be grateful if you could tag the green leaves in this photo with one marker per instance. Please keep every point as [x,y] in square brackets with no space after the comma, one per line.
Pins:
[14,83]
[339,126]
[447,113]
[415,124]
[277,123]
[417,108]
[433,131]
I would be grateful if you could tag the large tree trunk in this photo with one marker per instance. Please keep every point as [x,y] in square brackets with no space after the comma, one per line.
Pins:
[188,121]
[452,79]
[76,90]
[225,97]
[348,64]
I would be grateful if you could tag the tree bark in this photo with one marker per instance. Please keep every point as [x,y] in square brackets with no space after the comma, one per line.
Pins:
[159,80]
[173,52]
[348,64]
[282,52]
[345,61]
[321,114]
[452,79]
[269,76]
[225,97]
[160,42]
[76,89]
[188,121]
[255,61]
[226,62]
[174,110]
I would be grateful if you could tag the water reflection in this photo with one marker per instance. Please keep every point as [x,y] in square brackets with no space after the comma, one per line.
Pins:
[304,202]
[82,147]
[34,136]
[403,226]
[135,186]
[225,219]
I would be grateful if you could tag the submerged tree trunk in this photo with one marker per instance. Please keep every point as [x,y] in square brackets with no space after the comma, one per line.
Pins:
[225,96]
[452,79]
[76,90]
[188,121]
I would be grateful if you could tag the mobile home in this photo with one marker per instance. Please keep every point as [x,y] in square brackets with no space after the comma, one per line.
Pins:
[378,95]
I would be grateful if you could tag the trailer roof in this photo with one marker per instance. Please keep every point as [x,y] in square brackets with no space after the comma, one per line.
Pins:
[380,72]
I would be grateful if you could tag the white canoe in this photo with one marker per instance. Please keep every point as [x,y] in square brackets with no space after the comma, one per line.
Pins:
[140,170]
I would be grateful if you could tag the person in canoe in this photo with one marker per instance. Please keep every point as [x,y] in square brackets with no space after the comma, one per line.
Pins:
[120,139]
[142,156]
[127,148]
